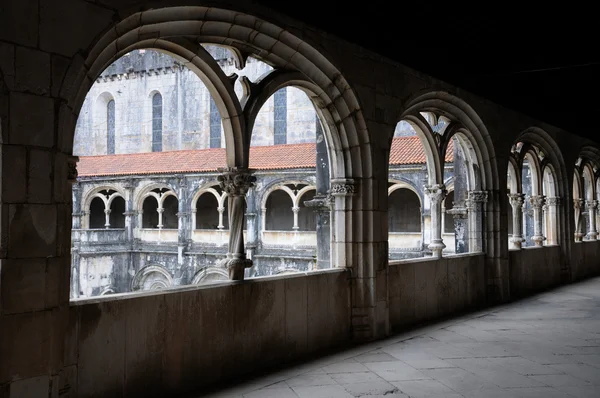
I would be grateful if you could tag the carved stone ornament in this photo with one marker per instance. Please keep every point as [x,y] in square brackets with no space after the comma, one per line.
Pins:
[319,202]
[591,204]
[516,199]
[553,201]
[436,193]
[342,187]
[478,196]
[537,201]
[72,168]
[234,181]
[578,203]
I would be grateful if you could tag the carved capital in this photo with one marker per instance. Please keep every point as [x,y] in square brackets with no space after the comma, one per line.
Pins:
[516,199]
[591,204]
[106,211]
[319,202]
[72,168]
[458,213]
[478,196]
[160,210]
[343,187]
[577,203]
[553,201]
[537,201]
[236,182]
[436,193]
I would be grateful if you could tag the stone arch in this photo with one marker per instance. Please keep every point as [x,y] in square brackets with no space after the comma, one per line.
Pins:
[301,192]
[589,188]
[210,275]
[535,168]
[152,277]
[514,178]
[268,211]
[404,219]
[142,192]
[398,184]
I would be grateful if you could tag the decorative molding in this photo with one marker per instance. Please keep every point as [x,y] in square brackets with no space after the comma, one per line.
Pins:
[516,199]
[591,204]
[478,196]
[578,203]
[234,181]
[343,187]
[72,168]
[319,202]
[436,193]
[537,201]
[553,201]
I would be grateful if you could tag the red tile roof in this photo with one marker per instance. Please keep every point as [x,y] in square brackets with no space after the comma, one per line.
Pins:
[405,150]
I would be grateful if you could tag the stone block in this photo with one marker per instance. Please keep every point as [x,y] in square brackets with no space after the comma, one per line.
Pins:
[145,343]
[7,64]
[25,347]
[33,387]
[425,294]
[67,382]
[80,23]
[31,120]
[14,189]
[441,287]
[319,334]
[296,313]
[31,231]
[32,71]
[60,66]
[24,285]
[39,181]
[19,22]
[71,352]
[102,349]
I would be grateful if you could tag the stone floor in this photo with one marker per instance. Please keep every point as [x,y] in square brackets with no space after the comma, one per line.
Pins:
[544,346]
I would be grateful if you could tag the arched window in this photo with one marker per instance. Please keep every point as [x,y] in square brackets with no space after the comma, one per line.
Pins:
[157,122]
[110,127]
[207,214]
[97,215]
[117,210]
[169,217]
[150,215]
[280,117]
[279,215]
[404,211]
[306,216]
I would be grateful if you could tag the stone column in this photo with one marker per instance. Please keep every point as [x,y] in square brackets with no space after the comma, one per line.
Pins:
[221,210]
[591,206]
[321,205]
[129,212]
[182,219]
[236,183]
[552,204]
[160,211]
[106,218]
[537,202]
[437,194]
[516,202]
[461,228]
[295,209]
[577,205]
[475,202]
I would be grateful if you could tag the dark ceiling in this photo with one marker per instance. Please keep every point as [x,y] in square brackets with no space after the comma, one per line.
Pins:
[542,62]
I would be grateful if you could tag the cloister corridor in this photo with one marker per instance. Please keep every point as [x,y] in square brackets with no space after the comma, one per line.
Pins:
[547,345]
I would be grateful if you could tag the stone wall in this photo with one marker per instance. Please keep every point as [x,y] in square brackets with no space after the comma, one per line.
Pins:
[183,340]
[533,269]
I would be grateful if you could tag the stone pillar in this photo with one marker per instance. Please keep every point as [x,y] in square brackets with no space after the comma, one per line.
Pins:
[321,205]
[552,204]
[537,202]
[591,206]
[236,183]
[183,215]
[461,228]
[516,202]
[475,202]
[129,212]
[106,218]
[577,205]
[221,210]
[295,209]
[437,194]
[160,211]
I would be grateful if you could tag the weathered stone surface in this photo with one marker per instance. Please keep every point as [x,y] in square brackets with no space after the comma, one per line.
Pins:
[27,286]
[32,230]
[39,173]
[69,26]
[19,22]
[31,120]
[14,184]
[32,71]
[7,64]
[33,387]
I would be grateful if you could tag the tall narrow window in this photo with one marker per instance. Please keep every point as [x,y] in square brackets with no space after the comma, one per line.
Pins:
[215,125]
[157,123]
[110,127]
[280,117]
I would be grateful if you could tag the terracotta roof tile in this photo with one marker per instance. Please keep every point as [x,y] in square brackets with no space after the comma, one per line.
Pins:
[405,150]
